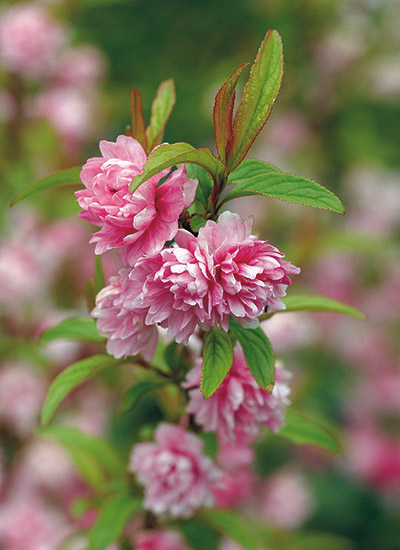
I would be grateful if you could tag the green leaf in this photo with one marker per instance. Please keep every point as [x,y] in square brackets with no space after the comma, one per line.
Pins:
[231,525]
[223,111]
[217,360]
[70,378]
[205,185]
[197,222]
[138,124]
[320,303]
[167,155]
[211,444]
[259,95]
[99,278]
[287,187]
[302,430]
[258,353]
[93,457]
[74,328]
[250,168]
[134,394]
[161,110]
[62,177]
[115,513]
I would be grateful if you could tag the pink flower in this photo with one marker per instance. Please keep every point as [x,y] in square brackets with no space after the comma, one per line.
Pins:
[22,391]
[165,539]
[29,40]
[245,275]
[239,404]
[234,489]
[374,456]
[70,111]
[199,283]
[26,523]
[81,67]
[124,327]
[178,478]
[286,501]
[141,222]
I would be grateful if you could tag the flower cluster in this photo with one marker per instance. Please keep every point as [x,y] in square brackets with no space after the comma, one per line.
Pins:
[183,282]
[239,405]
[199,282]
[36,48]
[178,478]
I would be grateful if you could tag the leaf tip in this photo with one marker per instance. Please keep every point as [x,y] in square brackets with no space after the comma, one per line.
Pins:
[270,388]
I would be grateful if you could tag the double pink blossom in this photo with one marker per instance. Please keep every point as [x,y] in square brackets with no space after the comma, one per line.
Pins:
[30,40]
[178,478]
[198,283]
[141,222]
[161,539]
[123,325]
[239,404]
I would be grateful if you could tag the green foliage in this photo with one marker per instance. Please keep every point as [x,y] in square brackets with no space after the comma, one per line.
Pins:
[258,98]
[251,168]
[303,430]
[70,378]
[167,155]
[115,512]
[258,353]
[93,457]
[99,278]
[223,112]
[197,222]
[134,394]
[62,177]
[217,360]
[320,303]
[231,525]
[161,110]
[211,444]
[74,328]
[279,185]
[205,184]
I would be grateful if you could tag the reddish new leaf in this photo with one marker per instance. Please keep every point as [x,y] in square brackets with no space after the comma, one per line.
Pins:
[223,111]
[259,95]
[138,124]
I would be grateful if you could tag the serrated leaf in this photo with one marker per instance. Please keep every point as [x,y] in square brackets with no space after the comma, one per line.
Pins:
[258,352]
[217,360]
[138,124]
[161,110]
[250,168]
[231,525]
[301,429]
[114,514]
[259,95]
[74,328]
[204,188]
[287,187]
[223,111]
[320,303]
[167,155]
[70,378]
[93,457]
[134,394]
[56,179]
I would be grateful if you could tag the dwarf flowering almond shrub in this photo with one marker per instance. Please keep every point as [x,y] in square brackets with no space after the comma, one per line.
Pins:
[181,319]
